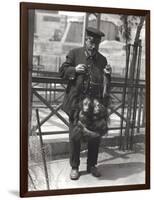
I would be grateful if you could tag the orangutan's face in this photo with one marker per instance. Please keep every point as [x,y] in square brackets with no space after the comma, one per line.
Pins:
[97,106]
[86,105]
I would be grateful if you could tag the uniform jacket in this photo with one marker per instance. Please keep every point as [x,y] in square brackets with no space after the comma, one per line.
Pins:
[96,63]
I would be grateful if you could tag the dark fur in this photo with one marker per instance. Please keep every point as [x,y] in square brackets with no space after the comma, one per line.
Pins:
[89,123]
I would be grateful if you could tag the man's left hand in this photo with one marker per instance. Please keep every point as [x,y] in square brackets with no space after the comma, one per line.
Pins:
[108,69]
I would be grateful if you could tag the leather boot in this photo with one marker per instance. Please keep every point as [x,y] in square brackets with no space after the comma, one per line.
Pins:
[94,171]
[74,175]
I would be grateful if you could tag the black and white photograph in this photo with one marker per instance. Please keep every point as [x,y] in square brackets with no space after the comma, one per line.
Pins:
[87,99]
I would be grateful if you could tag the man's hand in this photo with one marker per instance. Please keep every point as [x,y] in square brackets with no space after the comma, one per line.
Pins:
[108,69]
[80,68]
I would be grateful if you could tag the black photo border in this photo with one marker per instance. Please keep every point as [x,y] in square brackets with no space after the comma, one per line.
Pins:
[24,51]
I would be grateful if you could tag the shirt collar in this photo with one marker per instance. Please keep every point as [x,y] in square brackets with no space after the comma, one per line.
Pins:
[93,55]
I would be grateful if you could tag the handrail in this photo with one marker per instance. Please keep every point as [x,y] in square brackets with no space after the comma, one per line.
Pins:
[119,82]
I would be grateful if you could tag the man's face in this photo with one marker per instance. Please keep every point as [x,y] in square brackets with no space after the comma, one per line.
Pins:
[92,43]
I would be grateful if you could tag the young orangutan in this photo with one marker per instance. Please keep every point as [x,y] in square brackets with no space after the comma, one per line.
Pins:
[83,118]
[91,120]
[100,117]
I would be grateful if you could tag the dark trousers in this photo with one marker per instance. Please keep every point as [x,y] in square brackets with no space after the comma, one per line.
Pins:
[93,147]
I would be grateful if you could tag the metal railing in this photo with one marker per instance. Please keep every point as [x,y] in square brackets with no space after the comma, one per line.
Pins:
[48,91]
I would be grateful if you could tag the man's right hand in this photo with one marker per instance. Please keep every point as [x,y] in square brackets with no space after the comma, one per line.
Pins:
[80,68]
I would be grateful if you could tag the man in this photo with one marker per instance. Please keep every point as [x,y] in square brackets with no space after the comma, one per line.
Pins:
[88,74]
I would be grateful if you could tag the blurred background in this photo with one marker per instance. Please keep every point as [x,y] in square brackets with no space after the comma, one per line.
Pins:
[56,32]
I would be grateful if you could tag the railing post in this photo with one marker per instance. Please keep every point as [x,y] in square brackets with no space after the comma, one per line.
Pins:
[42,150]
[136,94]
[31,179]
[139,111]
[130,96]
[124,93]
[143,112]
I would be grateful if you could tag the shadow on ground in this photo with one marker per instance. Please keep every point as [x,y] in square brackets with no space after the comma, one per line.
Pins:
[122,170]
[117,171]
